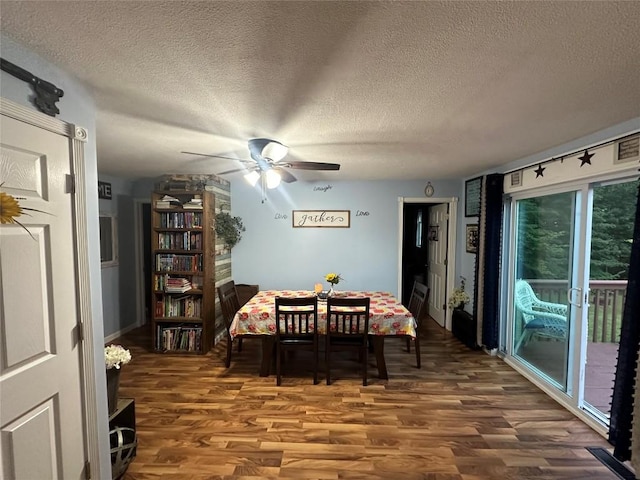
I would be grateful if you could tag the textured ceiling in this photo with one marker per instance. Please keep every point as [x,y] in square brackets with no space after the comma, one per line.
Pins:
[400,90]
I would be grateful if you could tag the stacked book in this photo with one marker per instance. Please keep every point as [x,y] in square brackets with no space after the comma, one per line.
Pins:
[194,204]
[167,202]
[177,285]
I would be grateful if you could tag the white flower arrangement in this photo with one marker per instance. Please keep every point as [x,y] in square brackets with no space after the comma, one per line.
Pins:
[115,356]
[458,295]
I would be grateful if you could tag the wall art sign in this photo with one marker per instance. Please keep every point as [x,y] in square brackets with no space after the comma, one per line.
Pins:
[472,190]
[104,190]
[321,218]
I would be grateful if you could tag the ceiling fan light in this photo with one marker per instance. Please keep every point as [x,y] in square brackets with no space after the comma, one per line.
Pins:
[252,177]
[275,151]
[273,178]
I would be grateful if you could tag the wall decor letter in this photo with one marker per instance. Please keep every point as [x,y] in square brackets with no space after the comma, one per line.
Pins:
[321,218]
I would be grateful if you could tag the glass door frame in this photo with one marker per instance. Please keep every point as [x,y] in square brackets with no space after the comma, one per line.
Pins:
[572,397]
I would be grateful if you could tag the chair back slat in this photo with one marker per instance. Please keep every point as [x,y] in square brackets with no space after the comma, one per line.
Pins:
[347,316]
[296,316]
[418,301]
[228,302]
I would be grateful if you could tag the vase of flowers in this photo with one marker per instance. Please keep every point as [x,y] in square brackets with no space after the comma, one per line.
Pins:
[333,279]
[114,357]
[459,298]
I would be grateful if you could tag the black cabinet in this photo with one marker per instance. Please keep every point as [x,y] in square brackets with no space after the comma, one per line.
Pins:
[122,436]
[464,327]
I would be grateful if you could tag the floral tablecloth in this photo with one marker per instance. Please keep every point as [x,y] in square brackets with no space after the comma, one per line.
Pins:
[387,316]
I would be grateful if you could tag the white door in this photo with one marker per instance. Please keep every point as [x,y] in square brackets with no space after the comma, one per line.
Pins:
[438,216]
[41,413]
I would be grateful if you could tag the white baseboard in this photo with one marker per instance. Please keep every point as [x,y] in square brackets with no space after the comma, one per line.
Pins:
[119,333]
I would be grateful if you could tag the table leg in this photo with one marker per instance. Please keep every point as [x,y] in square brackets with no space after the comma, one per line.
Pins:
[268,346]
[378,350]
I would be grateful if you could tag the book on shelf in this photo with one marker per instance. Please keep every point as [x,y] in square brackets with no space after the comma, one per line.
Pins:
[178,337]
[192,206]
[168,201]
[177,285]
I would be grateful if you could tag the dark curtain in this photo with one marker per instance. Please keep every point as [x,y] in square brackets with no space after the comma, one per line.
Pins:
[489,271]
[624,384]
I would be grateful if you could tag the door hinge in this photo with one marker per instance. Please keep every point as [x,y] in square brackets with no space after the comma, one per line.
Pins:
[80,330]
[70,184]
[87,470]
[446,261]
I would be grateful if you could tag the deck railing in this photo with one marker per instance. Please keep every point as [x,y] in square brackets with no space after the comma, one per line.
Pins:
[606,305]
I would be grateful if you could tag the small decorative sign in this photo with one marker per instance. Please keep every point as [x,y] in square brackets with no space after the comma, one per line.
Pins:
[433,233]
[472,238]
[321,218]
[104,190]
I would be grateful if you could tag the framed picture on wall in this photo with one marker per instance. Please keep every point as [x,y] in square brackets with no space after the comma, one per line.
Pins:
[472,191]
[472,238]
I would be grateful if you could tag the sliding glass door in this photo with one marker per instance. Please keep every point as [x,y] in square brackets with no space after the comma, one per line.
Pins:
[543,270]
[611,234]
[567,276]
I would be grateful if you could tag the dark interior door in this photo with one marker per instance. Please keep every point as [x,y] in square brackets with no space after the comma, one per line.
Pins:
[415,248]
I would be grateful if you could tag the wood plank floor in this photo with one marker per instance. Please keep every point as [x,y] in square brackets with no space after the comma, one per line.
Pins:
[463,416]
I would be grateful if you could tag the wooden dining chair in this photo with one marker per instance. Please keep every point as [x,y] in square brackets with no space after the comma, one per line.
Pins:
[229,304]
[418,303]
[296,328]
[347,327]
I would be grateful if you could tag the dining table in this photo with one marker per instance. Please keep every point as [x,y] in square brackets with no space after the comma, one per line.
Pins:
[387,318]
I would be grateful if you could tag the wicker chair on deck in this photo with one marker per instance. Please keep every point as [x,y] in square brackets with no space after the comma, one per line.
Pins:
[543,319]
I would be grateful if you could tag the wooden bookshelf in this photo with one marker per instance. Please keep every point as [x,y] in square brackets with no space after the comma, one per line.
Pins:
[183,277]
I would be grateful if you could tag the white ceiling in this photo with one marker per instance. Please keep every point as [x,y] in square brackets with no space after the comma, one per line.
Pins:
[401,90]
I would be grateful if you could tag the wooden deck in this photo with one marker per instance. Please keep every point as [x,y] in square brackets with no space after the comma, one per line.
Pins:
[549,357]
[463,416]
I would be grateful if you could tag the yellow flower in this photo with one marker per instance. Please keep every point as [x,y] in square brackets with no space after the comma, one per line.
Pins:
[333,278]
[9,209]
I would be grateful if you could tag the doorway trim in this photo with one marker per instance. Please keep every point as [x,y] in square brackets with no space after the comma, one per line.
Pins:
[451,240]
[93,393]
[139,259]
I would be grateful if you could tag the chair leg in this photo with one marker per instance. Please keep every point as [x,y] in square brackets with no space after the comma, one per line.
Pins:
[315,363]
[227,362]
[409,345]
[417,348]
[239,344]
[278,364]
[327,361]
[524,339]
[364,365]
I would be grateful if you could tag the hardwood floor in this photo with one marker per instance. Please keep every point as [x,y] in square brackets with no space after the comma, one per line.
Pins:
[463,416]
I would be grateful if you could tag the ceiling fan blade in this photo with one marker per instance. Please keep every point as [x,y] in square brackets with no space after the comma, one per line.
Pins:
[218,156]
[235,170]
[310,165]
[286,176]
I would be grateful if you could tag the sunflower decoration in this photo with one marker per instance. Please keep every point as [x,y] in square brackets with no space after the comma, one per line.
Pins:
[10,209]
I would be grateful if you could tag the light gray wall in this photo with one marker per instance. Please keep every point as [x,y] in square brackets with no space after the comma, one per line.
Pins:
[119,281]
[76,107]
[274,255]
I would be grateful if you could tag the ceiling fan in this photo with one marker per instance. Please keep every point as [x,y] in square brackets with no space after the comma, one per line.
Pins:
[268,165]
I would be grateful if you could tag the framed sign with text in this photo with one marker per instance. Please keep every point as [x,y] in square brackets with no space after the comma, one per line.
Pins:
[321,218]
[472,191]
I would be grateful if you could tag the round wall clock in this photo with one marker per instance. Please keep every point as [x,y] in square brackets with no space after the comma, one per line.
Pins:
[429,190]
